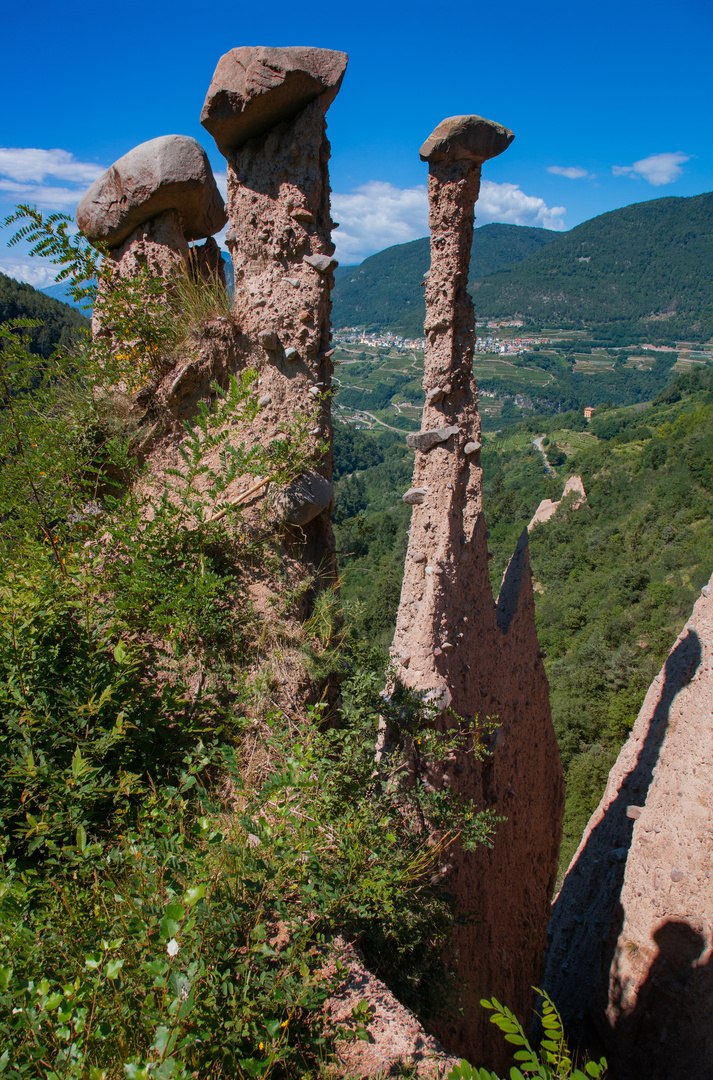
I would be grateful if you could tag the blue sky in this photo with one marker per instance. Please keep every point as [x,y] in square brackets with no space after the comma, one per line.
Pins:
[610,102]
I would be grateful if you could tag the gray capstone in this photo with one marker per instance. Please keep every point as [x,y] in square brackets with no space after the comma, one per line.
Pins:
[168,173]
[303,500]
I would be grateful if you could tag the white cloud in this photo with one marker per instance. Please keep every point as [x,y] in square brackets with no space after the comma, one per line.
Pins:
[49,179]
[221,179]
[375,216]
[572,172]
[42,195]
[37,272]
[657,169]
[29,164]
[507,203]
[378,214]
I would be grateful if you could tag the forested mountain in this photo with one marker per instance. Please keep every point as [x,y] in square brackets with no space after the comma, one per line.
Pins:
[60,322]
[642,273]
[614,580]
[385,290]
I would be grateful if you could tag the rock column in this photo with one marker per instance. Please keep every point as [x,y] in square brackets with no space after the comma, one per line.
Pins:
[266,109]
[476,660]
[148,206]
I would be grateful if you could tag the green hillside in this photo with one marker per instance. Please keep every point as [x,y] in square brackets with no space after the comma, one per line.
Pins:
[385,290]
[642,273]
[615,580]
[60,322]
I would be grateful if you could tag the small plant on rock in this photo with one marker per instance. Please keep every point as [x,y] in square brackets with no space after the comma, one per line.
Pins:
[554,1060]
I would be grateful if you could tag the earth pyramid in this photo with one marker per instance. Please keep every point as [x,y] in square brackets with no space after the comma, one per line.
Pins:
[476,660]
[266,109]
[632,928]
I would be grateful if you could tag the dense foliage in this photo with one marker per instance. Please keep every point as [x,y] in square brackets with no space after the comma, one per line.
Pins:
[385,290]
[179,851]
[371,523]
[642,273]
[551,1060]
[58,323]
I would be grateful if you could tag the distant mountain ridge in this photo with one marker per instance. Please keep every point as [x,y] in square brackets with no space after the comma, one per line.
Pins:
[385,290]
[641,273]
[60,321]
[644,272]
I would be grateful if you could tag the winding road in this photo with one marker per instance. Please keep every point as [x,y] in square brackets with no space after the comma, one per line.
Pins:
[537,443]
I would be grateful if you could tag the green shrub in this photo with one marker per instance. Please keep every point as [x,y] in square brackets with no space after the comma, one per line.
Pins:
[177,863]
[554,1060]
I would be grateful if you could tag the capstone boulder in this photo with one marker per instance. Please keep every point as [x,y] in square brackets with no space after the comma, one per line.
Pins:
[254,88]
[168,173]
[466,138]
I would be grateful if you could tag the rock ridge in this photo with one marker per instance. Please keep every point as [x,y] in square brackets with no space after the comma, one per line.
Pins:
[548,508]
[631,934]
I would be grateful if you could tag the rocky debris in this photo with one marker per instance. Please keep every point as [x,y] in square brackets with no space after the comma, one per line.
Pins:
[414,496]
[464,653]
[266,108]
[629,963]
[255,88]
[168,173]
[397,1041]
[466,138]
[548,507]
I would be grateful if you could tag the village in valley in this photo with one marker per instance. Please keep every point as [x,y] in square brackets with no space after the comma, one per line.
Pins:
[485,343]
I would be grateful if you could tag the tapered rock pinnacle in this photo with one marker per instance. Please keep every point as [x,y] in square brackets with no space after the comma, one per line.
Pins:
[452,645]
[266,109]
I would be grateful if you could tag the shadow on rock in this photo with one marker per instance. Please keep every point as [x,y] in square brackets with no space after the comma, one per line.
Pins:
[587,916]
[669,1034]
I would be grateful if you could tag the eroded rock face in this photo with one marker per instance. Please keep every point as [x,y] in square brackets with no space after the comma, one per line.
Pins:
[280,242]
[159,246]
[254,88]
[397,1041]
[548,508]
[629,962]
[168,173]
[454,645]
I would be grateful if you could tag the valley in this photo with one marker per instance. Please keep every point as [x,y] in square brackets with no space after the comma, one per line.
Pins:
[641,274]
[614,580]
